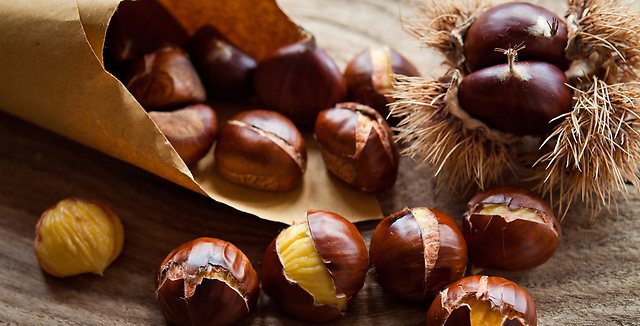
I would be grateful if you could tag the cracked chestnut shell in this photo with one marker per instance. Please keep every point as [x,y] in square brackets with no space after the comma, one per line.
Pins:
[315,269]
[261,149]
[357,146]
[206,281]
[510,228]
[482,300]
[416,252]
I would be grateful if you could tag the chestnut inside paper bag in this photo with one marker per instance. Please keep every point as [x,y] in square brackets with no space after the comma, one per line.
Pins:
[53,76]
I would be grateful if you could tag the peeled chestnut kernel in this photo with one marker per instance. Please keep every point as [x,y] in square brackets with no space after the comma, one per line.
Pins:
[521,98]
[369,76]
[315,269]
[416,252]
[261,149]
[299,80]
[206,282]
[482,301]
[78,236]
[164,79]
[226,71]
[510,228]
[509,24]
[357,146]
[190,130]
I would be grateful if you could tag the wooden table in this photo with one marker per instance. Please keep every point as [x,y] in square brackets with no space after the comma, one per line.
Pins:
[594,278]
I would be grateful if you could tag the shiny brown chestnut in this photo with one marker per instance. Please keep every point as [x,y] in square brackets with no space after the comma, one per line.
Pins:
[521,98]
[369,76]
[226,71]
[315,269]
[261,149]
[416,252]
[510,228]
[483,301]
[299,80]
[206,282]
[190,130]
[513,23]
[165,79]
[357,146]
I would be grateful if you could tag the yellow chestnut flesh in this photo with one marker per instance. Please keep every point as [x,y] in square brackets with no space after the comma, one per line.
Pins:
[78,236]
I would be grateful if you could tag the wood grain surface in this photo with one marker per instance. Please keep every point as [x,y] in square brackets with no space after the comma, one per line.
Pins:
[594,278]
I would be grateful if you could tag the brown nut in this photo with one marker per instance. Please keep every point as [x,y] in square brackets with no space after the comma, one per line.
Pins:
[261,149]
[78,236]
[315,269]
[357,146]
[190,130]
[206,282]
[165,79]
[510,228]
[226,71]
[299,80]
[369,76]
[482,300]
[416,252]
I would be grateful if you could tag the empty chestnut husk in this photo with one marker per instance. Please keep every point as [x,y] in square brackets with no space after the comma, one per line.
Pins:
[261,149]
[416,252]
[510,228]
[206,282]
[315,269]
[482,300]
[165,79]
[190,130]
[357,146]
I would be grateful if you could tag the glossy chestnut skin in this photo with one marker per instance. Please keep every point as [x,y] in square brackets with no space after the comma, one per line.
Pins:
[186,300]
[261,149]
[357,146]
[509,24]
[506,241]
[521,100]
[226,71]
[413,263]
[344,254]
[299,80]
[190,130]
[506,296]
[165,79]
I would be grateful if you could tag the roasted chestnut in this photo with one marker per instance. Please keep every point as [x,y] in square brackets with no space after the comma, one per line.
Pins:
[502,26]
[416,252]
[299,80]
[510,228]
[190,130]
[261,149]
[315,269]
[206,282]
[357,146]
[482,300]
[165,79]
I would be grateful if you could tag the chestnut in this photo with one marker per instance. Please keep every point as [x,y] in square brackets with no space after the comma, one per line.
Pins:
[483,300]
[510,228]
[369,76]
[190,130]
[357,146]
[509,24]
[520,98]
[416,252]
[165,79]
[315,269]
[261,149]
[206,282]
[226,71]
[299,80]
